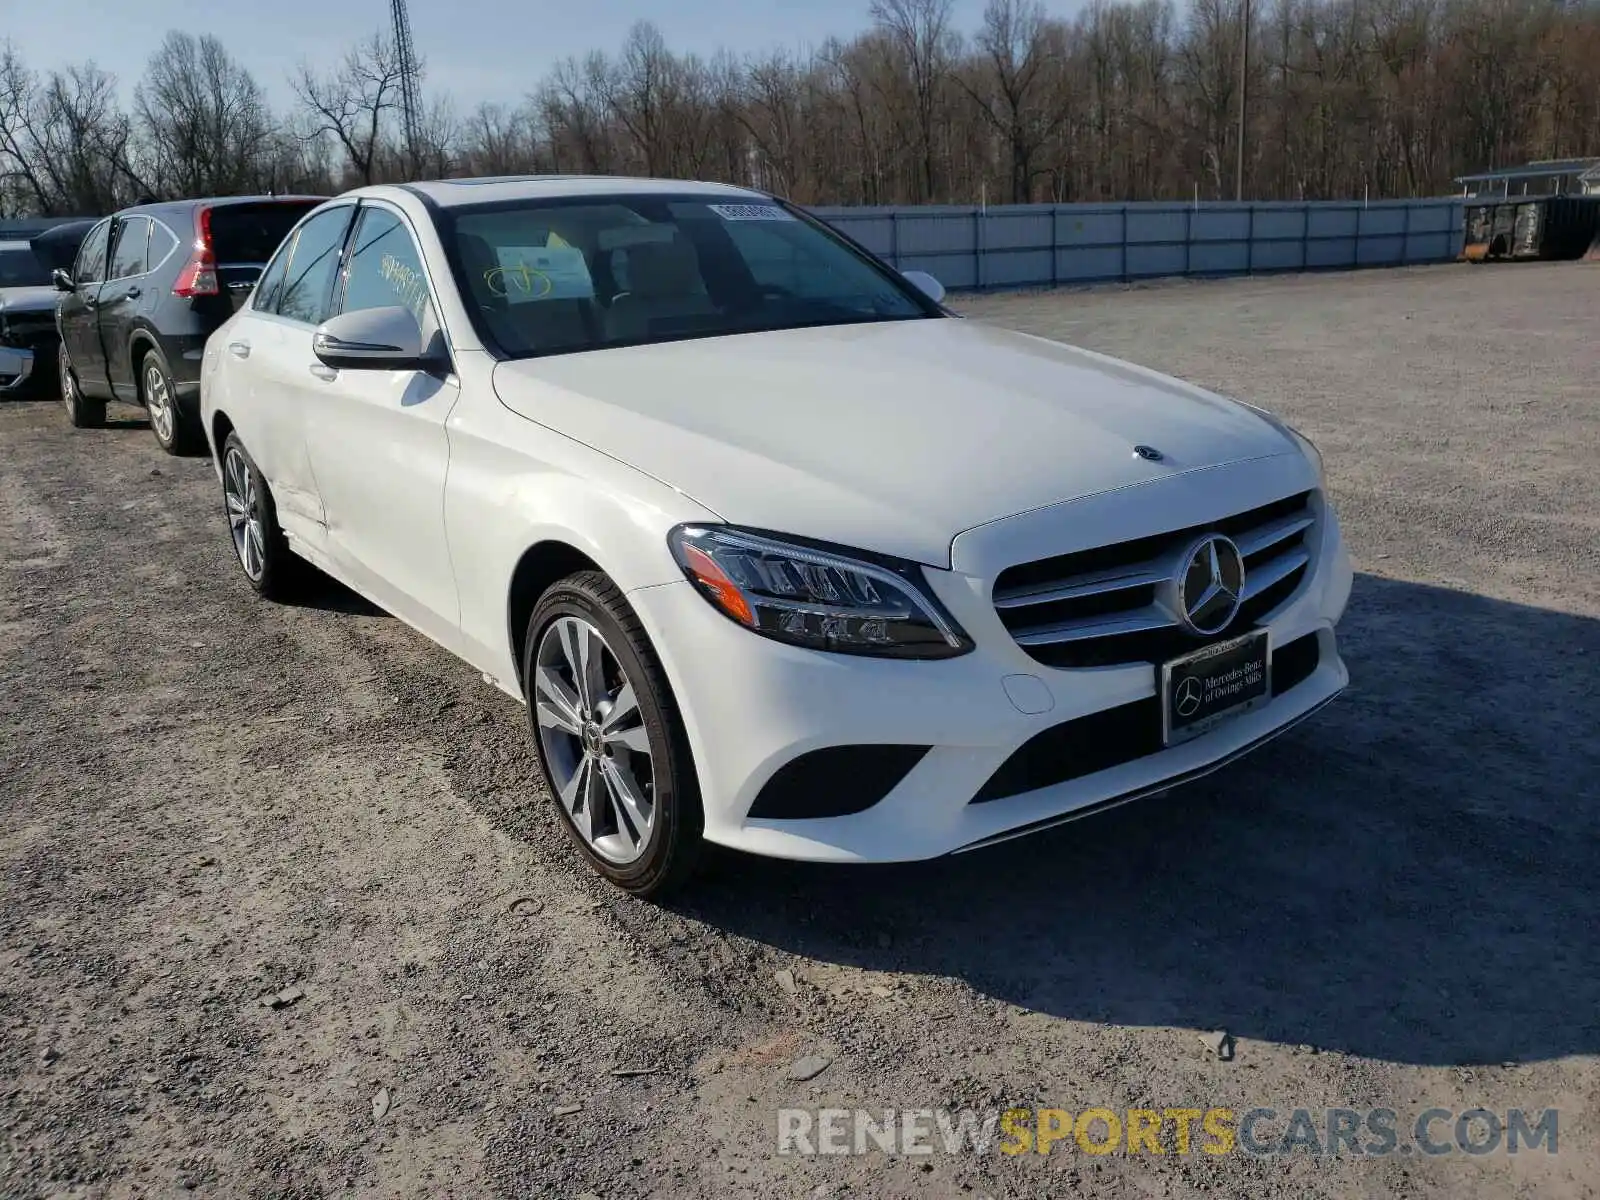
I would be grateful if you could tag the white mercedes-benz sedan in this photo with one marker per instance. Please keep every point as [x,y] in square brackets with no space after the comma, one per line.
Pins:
[780,553]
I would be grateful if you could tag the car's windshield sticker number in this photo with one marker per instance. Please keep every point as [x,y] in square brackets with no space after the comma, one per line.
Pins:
[751,212]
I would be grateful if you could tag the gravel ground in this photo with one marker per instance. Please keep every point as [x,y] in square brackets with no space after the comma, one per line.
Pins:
[207,798]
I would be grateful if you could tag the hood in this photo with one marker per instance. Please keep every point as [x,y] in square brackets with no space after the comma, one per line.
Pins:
[29,299]
[892,436]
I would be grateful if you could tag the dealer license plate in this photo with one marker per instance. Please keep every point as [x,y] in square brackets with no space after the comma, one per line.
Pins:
[1201,690]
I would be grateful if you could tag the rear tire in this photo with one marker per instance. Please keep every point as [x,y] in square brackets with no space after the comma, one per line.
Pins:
[259,545]
[82,412]
[610,741]
[177,431]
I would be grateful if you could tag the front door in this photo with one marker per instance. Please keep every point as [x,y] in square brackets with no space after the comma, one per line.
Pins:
[120,297]
[79,314]
[378,445]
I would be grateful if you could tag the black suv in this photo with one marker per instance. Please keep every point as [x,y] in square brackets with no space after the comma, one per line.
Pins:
[149,286]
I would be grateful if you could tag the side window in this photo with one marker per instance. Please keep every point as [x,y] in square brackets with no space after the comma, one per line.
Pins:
[162,243]
[270,286]
[308,284]
[385,267]
[128,256]
[91,264]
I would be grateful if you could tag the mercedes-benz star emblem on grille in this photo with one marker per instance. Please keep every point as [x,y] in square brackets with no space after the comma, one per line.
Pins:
[1210,583]
[1148,453]
[1187,699]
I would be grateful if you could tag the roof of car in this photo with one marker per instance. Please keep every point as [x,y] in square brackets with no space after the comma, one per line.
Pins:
[452,193]
[157,206]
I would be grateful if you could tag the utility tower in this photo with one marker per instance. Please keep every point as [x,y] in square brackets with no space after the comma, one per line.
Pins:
[410,84]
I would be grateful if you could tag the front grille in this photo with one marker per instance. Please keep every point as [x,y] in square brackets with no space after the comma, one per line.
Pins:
[1101,607]
[1118,735]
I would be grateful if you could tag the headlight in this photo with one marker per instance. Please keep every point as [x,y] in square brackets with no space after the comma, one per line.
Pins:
[817,597]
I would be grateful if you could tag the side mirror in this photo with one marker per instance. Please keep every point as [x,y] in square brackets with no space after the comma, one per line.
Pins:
[373,339]
[62,281]
[926,284]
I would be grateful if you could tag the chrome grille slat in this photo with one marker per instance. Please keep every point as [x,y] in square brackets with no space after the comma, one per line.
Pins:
[1146,575]
[1142,621]
[1272,572]
[1110,605]
[1257,540]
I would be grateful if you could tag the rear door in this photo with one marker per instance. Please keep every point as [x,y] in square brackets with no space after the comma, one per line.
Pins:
[120,298]
[270,349]
[378,443]
[79,313]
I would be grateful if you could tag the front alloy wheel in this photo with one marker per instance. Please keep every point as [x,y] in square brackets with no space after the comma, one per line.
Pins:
[593,737]
[609,737]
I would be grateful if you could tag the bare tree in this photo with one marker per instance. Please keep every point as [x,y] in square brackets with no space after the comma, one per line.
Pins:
[352,103]
[496,140]
[1125,100]
[918,31]
[24,184]
[64,139]
[1011,85]
[204,118]
[574,108]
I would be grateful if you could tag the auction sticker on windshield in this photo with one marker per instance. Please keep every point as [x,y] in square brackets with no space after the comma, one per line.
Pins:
[751,212]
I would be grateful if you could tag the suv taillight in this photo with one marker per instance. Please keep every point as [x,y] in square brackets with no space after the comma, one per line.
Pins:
[199,274]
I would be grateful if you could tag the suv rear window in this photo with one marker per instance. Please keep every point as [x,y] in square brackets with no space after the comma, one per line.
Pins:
[249,233]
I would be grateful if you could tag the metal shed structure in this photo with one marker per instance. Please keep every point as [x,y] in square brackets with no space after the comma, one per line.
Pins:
[1547,177]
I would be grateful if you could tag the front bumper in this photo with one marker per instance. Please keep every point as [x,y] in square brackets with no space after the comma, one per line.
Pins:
[16,370]
[751,706]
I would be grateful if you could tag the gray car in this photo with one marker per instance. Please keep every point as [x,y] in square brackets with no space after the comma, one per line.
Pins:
[28,335]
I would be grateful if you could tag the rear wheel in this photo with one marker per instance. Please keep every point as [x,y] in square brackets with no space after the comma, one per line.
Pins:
[83,412]
[177,431]
[609,737]
[271,568]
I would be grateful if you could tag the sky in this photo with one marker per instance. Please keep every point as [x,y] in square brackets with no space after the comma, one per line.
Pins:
[475,49]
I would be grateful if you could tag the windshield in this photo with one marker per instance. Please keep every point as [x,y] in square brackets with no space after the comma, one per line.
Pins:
[20,268]
[555,276]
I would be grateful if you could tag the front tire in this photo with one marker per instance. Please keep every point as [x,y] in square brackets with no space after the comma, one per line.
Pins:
[82,412]
[177,432]
[270,567]
[609,737]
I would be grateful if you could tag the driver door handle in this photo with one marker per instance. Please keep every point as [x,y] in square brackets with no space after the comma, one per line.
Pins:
[324,372]
[239,349]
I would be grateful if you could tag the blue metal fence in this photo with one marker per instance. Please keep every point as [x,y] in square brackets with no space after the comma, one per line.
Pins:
[1028,245]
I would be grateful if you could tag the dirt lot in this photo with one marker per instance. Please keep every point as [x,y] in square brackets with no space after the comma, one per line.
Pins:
[206,798]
